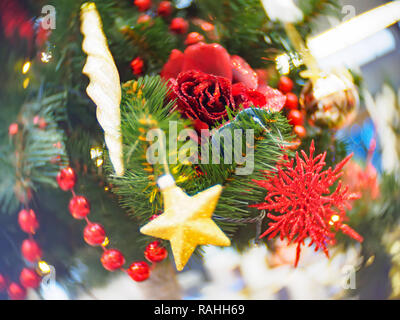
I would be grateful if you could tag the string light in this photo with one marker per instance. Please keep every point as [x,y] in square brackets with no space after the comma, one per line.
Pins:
[44,267]
[25,84]
[334,218]
[46,57]
[96,152]
[105,242]
[26,67]
[99,162]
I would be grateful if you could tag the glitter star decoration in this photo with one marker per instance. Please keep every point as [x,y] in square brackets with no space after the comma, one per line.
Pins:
[301,205]
[186,221]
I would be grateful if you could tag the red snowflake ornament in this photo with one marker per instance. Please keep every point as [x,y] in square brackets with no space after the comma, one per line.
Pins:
[302,204]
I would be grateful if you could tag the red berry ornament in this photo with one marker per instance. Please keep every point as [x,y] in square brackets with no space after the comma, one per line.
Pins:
[142,5]
[155,252]
[3,283]
[193,38]
[143,18]
[79,207]
[27,221]
[94,234]
[285,84]
[291,101]
[139,271]
[179,26]
[164,8]
[300,131]
[66,178]
[137,65]
[112,259]
[29,278]
[13,129]
[16,292]
[295,118]
[31,250]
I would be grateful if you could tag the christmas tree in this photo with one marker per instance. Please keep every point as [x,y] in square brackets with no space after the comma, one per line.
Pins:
[138,133]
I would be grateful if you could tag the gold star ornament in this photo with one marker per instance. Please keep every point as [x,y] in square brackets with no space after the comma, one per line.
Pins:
[186,221]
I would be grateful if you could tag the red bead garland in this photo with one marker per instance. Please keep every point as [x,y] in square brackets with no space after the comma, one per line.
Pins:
[94,234]
[193,38]
[179,25]
[27,221]
[3,283]
[31,250]
[29,278]
[16,292]
[13,129]
[79,207]
[137,65]
[292,101]
[164,8]
[285,84]
[155,252]
[112,259]
[295,118]
[142,5]
[143,18]
[66,179]
[139,271]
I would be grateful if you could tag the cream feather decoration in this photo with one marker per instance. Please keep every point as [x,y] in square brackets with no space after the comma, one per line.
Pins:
[104,87]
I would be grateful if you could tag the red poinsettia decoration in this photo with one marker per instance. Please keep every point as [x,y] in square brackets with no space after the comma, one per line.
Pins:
[302,204]
[210,62]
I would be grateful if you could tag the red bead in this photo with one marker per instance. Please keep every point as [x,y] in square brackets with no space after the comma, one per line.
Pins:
[295,118]
[137,66]
[300,131]
[155,252]
[16,292]
[13,129]
[139,271]
[29,278]
[143,18]
[112,259]
[94,234]
[40,122]
[193,38]
[164,8]
[66,178]
[142,5]
[3,283]
[285,84]
[291,101]
[27,221]
[31,250]
[79,207]
[179,26]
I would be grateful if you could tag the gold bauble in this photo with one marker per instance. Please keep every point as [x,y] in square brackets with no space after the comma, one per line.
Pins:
[186,221]
[331,100]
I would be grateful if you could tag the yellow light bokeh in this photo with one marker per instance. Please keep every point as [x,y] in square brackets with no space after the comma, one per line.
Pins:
[46,57]
[105,242]
[44,267]
[334,218]
[26,67]
[25,84]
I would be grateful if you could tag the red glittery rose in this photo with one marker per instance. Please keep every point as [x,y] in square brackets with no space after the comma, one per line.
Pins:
[203,96]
